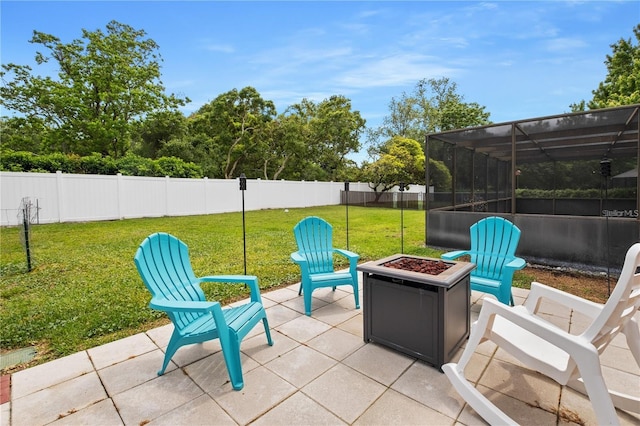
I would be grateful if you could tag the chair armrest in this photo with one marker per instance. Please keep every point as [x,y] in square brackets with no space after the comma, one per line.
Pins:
[532,323]
[298,258]
[540,291]
[452,255]
[182,305]
[302,262]
[346,253]
[516,264]
[245,279]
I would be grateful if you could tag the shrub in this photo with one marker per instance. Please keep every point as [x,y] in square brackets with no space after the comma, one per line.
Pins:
[17,161]
[130,164]
[176,167]
[53,162]
[576,193]
[134,165]
[96,164]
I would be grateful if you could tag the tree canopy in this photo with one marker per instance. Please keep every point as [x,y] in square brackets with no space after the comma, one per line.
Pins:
[621,85]
[434,105]
[106,80]
[233,124]
[401,160]
[108,100]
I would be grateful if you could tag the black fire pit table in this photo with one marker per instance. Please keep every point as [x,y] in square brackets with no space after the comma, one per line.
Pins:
[417,305]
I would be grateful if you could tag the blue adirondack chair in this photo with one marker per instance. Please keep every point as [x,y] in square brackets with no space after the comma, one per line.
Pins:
[163,263]
[314,237]
[493,246]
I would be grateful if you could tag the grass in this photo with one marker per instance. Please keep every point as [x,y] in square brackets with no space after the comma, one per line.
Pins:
[84,289]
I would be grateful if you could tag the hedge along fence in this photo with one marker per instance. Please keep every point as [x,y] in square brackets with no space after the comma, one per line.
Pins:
[130,164]
[61,197]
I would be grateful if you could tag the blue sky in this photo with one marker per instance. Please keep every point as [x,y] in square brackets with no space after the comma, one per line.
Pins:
[518,59]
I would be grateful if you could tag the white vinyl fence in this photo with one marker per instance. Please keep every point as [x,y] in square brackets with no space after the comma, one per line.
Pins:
[61,197]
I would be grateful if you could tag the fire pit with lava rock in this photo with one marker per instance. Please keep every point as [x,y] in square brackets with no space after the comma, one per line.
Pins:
[423,266]
[417,305]
[418,269]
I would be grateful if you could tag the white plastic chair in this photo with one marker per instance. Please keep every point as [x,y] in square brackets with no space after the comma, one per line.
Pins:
[572,360]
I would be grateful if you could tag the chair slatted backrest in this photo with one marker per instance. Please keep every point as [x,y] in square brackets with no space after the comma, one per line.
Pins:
[314,237]
[622,304]
[493,244]
[163,263]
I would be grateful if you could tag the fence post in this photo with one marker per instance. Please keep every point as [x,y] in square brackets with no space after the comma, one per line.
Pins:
[166,195]
[119,195]
[205,181]
[59,195]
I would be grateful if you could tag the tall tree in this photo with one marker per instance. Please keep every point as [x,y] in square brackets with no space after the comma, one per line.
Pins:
[22,134]
[235,122]
[401,160]
[442,108]
[335,132]
[106,80]
[285,140]
[434,105]
[621,86]
[155,130]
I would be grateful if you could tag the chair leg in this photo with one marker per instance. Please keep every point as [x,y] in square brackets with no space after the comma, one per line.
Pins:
[455,373]
[231,353]
[598,393]
[619,400]
[266,330]
[307,302]
[355,294]
[485,408]
[171,349]
[632,333]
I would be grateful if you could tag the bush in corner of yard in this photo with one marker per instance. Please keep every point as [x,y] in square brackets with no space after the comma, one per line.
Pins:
[17,161]
[54,162]
[96,164]
[134,165]
[176,167]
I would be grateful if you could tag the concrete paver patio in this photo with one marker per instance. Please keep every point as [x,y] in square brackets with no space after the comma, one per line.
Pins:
[319,371]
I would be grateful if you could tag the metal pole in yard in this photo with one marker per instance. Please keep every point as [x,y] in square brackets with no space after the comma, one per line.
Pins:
[605,171]
[243,187]
[346,194]
[25,223]
[401,217]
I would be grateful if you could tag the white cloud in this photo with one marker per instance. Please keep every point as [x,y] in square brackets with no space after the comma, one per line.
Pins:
[218,47]
[565,44]
[369,13]
[293,56]
[394,70]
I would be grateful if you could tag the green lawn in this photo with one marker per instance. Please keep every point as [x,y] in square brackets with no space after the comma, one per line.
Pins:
[84,289]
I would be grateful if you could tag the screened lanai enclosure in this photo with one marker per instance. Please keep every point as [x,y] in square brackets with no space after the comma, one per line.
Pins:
[551,176]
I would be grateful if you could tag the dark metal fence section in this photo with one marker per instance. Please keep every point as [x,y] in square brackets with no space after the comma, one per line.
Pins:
[392,200]
[619,208]
[578,207]
[584,242]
